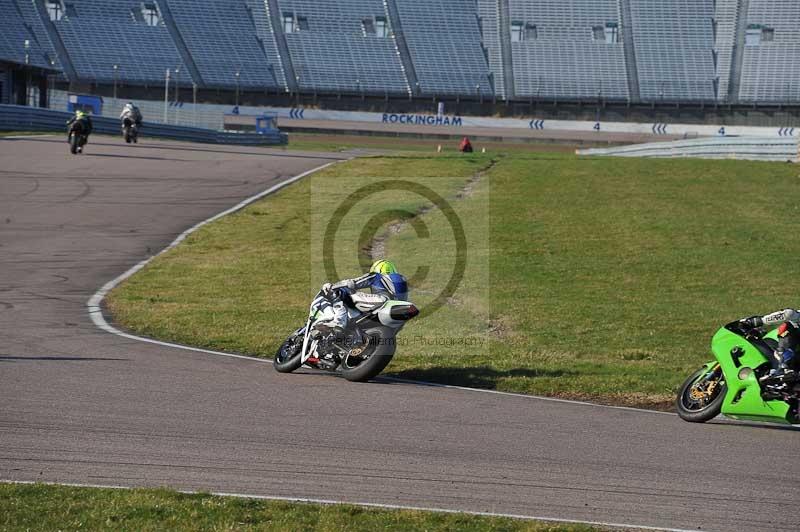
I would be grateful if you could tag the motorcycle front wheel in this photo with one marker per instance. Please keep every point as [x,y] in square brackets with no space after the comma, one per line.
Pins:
[700,398]
[287,359]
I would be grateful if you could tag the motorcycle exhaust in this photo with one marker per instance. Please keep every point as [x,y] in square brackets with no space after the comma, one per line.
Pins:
[403,312]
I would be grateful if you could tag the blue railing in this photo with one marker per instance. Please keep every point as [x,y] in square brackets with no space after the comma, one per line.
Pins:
[21,118]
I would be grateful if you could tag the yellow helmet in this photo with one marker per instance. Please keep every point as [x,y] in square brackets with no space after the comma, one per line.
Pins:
[79,114]
[383,266]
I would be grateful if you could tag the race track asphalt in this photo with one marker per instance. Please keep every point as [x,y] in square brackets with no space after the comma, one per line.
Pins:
[80,405]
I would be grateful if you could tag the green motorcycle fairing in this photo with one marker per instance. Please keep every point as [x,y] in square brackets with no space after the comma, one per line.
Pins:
[743,399]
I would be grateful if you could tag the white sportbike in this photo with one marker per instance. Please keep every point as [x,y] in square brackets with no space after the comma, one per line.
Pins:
[362,351]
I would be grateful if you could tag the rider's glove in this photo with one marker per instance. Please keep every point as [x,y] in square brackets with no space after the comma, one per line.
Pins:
[327,290]
[752,322]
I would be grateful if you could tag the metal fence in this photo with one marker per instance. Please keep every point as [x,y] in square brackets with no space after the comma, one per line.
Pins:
[177,113]
[21,118]
[748,148]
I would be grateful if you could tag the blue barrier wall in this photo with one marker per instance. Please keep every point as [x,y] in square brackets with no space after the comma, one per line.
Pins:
[21,118]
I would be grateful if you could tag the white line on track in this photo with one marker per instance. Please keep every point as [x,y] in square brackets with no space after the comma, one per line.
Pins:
[96,314]
[368,505]
[95,302]
[95,311]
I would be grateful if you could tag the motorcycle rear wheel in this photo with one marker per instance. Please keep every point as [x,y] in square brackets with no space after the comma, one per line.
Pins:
[73,143]
[370,365]
[288,357]
[699,410]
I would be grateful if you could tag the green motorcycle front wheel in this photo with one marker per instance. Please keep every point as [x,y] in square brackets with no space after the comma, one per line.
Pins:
[701,395]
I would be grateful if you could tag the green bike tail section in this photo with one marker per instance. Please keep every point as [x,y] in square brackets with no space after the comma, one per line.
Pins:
[743,400]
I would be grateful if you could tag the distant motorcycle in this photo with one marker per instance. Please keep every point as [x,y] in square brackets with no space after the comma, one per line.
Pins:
[735,383]
[366,348]
[78,137]
[130,131]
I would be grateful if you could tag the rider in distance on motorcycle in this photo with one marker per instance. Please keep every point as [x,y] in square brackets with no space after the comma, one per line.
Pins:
[787,321]
[383,281]
[132,113]
[85,122]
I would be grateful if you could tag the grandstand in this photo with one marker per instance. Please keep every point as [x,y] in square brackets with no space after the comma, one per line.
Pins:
[771,62]
[627,51]
[568,49]
[342,45]
[15,31]
[674,49]
[223,44]
[107,40]
[444,42]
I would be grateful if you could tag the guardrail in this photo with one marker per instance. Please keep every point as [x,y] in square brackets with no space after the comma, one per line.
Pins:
[748,148]
[21,118]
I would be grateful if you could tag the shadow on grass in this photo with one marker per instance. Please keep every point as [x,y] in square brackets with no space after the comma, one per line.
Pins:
[476,377]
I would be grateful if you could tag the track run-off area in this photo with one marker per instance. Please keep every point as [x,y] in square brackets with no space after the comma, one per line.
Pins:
[80,405]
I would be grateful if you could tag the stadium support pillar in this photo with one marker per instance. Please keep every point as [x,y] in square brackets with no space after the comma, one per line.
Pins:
[738,50]
[58,44]
[274,14]
[402,46]
[180,44]
[194,104]
[504,21]
[166,97]
[629,44]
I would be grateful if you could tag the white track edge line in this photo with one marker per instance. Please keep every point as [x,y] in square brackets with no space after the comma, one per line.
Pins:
[365,504]
[94,303]
[96,313]
[514,394]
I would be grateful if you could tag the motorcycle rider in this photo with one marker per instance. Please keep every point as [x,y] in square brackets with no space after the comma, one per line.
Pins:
[787,321]
[132,113]
[84,121]
[382,279]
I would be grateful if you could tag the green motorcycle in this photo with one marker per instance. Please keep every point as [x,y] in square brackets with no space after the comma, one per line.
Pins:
[734,384]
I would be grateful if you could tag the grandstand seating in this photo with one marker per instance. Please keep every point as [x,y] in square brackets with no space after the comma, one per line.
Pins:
[674,49]
[102,33]
[14,31]
[265,33]
[770,68]
[33,22]
[618,50]
[222,38]
[560,55]
[444,41]
[332,49]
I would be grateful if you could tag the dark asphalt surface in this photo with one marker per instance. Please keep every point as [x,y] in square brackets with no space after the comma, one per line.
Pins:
[84,406]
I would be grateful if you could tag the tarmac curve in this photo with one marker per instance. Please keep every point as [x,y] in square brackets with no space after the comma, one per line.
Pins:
[79,405]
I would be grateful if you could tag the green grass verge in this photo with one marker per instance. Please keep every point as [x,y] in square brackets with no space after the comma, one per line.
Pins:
[337,143]
[599,279]
[47,507]
[389,144]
